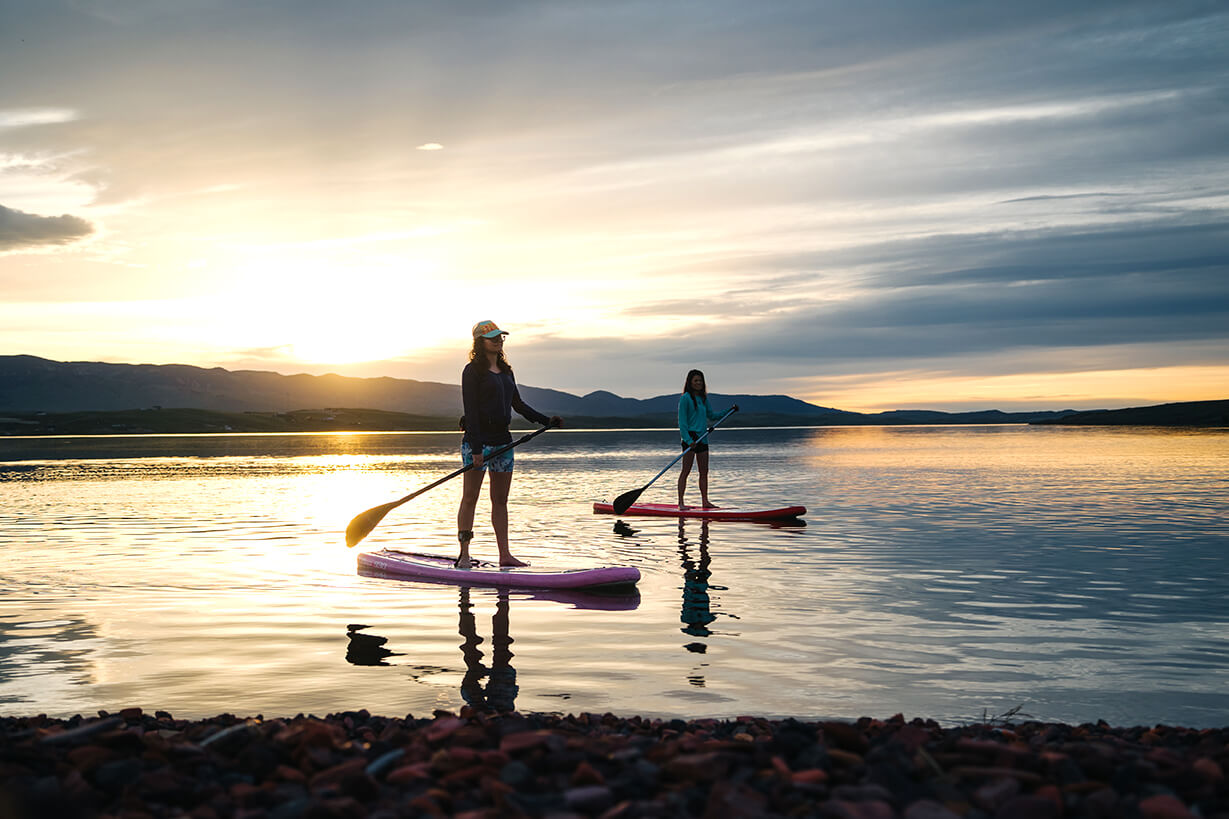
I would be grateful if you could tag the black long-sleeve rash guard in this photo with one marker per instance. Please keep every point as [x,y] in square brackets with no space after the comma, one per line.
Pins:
[488,399]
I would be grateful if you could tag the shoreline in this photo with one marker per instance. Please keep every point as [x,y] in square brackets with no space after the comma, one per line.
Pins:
[478,764]
[188,420]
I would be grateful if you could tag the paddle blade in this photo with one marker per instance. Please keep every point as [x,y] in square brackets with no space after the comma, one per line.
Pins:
[362,525]
[624,502]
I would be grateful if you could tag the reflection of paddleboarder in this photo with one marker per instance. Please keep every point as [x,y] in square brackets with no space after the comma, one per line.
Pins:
[697,611]
[499,693]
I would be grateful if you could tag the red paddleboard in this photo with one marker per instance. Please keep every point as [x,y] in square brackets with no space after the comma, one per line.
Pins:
[670,510]
[437,568]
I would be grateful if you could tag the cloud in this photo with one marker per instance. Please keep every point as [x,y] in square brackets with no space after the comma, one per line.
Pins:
[1162,281]
[23,117]
[19,230]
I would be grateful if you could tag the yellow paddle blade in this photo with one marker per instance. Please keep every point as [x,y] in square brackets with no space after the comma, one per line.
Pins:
[363,523]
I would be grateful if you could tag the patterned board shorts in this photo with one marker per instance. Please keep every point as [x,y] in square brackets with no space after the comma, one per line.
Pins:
[500,463]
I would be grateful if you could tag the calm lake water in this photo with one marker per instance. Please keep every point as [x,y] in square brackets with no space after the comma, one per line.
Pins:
[946,572]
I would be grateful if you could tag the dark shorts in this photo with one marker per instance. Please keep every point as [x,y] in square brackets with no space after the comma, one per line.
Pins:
[700,447]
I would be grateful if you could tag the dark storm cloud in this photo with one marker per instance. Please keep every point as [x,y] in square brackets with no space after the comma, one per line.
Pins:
[19,230]
[1177,245]
[957,295]
[1075,304]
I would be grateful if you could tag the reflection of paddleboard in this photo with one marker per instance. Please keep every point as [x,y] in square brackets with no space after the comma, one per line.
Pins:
[437,568]
[670,510]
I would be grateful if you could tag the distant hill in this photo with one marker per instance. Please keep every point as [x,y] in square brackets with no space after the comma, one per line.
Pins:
[32,388]
[1184,414]
[35,384]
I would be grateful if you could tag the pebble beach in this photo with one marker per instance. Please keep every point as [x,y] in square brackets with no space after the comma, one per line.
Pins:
[475,764]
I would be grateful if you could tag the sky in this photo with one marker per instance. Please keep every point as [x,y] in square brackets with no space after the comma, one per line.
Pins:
[866,205]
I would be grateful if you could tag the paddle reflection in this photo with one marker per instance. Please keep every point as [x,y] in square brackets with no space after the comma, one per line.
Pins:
[366,649]
[488,683]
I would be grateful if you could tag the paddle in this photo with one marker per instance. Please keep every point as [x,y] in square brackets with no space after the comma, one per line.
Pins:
[362,525]
[624,502]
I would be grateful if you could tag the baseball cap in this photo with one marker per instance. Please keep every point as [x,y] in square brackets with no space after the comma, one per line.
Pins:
[488,329]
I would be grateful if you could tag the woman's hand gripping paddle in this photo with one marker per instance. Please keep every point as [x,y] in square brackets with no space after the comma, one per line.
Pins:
[624,502]
[362,525]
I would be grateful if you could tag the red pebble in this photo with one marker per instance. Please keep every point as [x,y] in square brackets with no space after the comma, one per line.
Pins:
[810,776]
[241,792]
[523,741]
[996,792]
[473,773]
[409,773]
[1052,793]
[586,774]
[843,809]
[1164,807]
[496,759]
[88,757]
[929,809]
[289,774]
[844,758]
[697,766]
[1209,769]
[335,774]
[442,728]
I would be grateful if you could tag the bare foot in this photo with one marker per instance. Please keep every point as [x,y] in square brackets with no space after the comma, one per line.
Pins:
[463,562]
[708,505]
[511,561]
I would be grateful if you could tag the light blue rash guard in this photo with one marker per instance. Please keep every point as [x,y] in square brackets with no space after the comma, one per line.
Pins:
[694,416]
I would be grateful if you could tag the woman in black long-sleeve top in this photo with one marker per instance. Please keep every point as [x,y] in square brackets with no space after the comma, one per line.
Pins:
[489,394]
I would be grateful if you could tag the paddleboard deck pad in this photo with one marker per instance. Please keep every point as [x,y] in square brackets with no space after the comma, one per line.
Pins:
[670,510]
[440,569]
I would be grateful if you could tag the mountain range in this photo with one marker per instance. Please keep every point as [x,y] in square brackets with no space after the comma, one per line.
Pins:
[29,384]
[33,387]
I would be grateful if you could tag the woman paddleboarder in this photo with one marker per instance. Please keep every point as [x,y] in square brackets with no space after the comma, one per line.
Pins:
[694,417]
[489,394]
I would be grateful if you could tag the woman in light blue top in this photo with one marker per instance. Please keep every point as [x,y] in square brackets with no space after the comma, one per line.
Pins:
[694,417]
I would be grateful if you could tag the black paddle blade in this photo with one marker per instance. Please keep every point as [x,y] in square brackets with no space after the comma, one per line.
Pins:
[624,502]
[362,524]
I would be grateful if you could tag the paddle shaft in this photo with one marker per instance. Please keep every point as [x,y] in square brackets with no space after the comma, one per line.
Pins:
[467,468]
[728,413]
[624,501]
[362,524]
